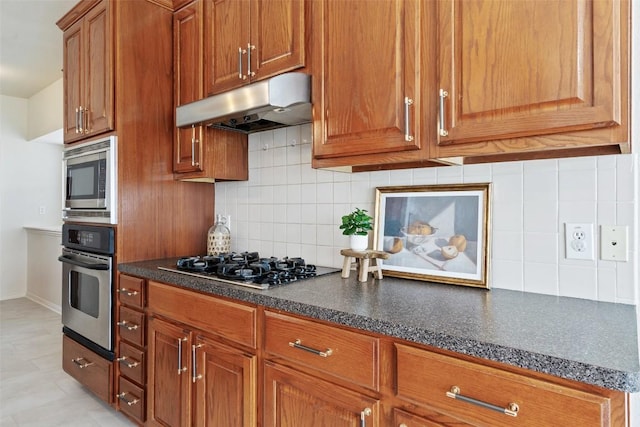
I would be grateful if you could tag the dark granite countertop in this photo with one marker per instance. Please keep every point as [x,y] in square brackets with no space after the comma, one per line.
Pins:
[588,341]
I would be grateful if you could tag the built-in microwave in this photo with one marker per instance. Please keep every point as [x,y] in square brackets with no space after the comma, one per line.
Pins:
[89,172]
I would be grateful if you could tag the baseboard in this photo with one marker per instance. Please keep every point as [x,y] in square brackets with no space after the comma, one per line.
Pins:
[45,303]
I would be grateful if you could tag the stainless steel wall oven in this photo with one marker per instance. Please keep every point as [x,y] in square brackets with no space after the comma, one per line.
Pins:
[87,286]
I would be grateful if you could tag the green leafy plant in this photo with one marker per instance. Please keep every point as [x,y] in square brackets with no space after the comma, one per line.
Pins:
[357,222]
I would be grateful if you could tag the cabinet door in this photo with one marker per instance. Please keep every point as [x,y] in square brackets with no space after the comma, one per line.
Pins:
[169,381]
[365,64]
[99,71]
[514,69]
[278,36]
[226,39]
[293,399]
[72,79]
[225,390]
[187,51]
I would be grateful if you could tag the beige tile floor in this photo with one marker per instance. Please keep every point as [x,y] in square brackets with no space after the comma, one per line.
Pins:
[34,390]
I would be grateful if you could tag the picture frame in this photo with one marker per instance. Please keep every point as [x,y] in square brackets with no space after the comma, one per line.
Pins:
[437,233]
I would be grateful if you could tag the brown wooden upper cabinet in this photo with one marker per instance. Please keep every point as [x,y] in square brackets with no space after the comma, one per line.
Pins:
[88,75]
[513,74]
[367,80]
[200,153]
[246,41]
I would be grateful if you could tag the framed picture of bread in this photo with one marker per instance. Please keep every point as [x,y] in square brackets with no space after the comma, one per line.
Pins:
[437,233]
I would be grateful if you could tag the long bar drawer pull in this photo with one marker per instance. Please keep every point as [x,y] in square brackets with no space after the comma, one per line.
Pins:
[298,344]
[511,410]
[81,362]
[131,364]
[129,326]
[123,396]
[129,292]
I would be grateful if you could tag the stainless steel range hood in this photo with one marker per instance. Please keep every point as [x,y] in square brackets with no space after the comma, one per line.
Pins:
[284,100]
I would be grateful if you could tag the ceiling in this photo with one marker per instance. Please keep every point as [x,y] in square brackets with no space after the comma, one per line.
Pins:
[30,45]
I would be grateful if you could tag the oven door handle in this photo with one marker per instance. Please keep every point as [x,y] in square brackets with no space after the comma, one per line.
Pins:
[89,265]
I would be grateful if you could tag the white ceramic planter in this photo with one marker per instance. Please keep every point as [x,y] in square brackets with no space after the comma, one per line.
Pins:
[358,243]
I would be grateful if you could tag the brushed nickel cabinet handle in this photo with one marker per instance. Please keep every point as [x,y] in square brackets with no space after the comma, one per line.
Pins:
[407,131]
[363,415]
[85,120]
[511,410]
[129,326]
[442,131]
[123,396]
[131,364]
[81,362]
[77,120]
[250,47]
[129,292]
[194,368]
[298,344]
[240,53]
[80,119]
[181,368]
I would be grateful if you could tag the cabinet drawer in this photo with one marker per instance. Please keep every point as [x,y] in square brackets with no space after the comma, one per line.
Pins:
[232,321]
[131,326]
[344,354]
[131,291]
[131,399]
[132,363]
[425,378]
[88,368]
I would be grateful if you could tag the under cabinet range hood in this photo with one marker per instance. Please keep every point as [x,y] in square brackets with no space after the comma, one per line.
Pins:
[283,100]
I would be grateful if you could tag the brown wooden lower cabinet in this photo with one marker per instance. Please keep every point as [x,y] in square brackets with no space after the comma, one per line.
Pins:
[294,399]
[195,380]
[483,395]
[298,374]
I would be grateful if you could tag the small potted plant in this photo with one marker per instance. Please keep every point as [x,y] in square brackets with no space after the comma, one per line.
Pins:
[357,225]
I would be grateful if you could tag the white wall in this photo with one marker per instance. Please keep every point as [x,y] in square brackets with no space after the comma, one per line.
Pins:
[44,115]
[30,178]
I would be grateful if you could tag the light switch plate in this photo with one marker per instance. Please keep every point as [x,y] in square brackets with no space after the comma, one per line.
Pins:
[613,242]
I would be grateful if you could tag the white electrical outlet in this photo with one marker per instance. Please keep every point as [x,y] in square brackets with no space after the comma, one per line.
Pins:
[578,241]
[613,243]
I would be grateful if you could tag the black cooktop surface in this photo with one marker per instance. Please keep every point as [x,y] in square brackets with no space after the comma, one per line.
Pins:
[249,269]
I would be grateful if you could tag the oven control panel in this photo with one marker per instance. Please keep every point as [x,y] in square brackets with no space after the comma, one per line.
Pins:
[89,238]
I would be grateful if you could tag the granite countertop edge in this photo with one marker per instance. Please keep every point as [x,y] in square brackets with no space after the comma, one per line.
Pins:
[588,373]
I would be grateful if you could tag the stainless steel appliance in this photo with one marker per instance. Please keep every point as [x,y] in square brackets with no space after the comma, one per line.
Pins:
[89,181]
[248,269]
[87,291]
[283,100]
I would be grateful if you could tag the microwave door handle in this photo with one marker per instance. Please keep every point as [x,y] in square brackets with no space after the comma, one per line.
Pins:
[90,266]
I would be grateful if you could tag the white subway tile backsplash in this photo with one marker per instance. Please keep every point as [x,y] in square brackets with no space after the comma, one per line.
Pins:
[578,281]
[507,274]
[541,216]
[286,208]
[541,247]
[541,278]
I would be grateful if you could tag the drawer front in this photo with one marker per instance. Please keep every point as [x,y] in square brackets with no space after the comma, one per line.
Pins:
[405,419]
[344,354]
[88,368]
[131,399]
[131,291]
[425,378]
[132,363]
[226,319]
[131,326]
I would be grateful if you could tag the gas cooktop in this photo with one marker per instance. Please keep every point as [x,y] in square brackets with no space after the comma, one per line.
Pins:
[248,269]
